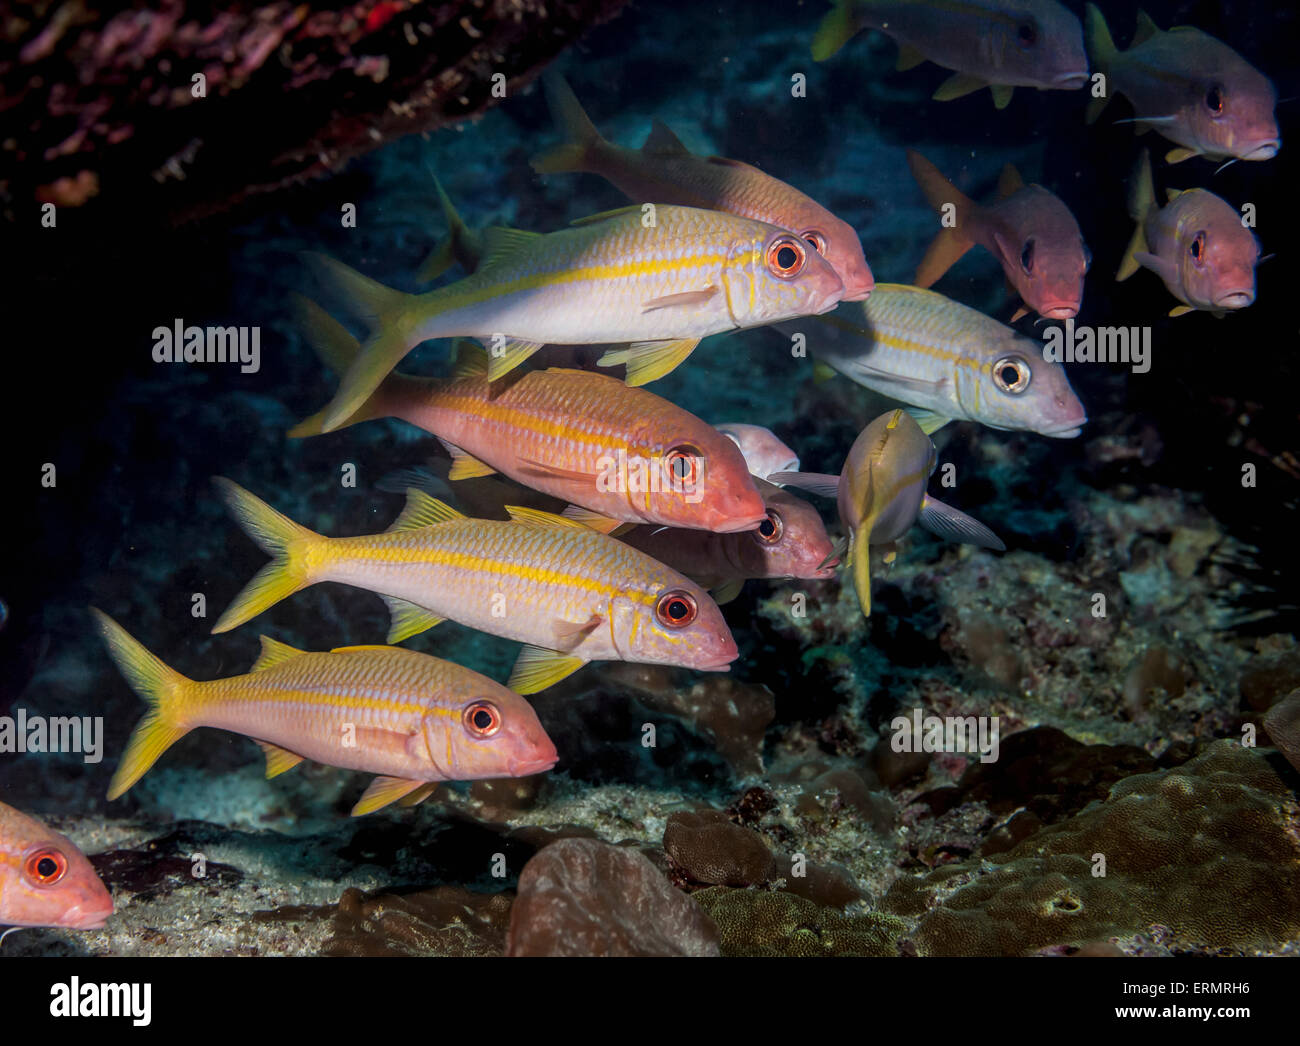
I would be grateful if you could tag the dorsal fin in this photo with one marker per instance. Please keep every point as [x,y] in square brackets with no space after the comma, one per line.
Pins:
[357,649]
[423,511]
[501,242]
[1172,194]
[661,141]
[539,518]
[471,359]
[1146,29]
[273,653]
[1009,182]
[591,219]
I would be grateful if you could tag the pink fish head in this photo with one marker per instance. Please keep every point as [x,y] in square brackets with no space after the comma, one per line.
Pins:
[50,882]
[763,451]
[703,481]
[1042,251]
[492,733]
[1217,253]
[837,242]
[779,278]
[1021,389]
[675,623]
[791,542]
[1230,104]
[1037,43]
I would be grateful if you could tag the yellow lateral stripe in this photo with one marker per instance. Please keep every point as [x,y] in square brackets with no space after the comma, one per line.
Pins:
[313,699]
[491,410]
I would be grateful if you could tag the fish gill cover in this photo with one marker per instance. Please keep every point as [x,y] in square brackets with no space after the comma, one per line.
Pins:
[1005,665]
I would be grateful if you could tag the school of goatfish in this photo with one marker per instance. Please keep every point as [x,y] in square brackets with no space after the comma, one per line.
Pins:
[666,516]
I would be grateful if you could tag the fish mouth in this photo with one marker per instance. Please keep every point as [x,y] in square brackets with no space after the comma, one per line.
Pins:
[1065,432]
[1264,150]
[1059,311]
[718,666]
[1071,81]
[76,919]
[1235,299]
[528,767]
[739,525]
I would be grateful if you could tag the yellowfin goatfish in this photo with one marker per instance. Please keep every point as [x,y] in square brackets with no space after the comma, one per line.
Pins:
[1195,243]
[881,494]
[1193,89]
[664,171]
[572,594]
[564,433]
[660,278]
[999,44]
[764,453]
[413,719]
[948,360]
[790,543]
[45,880]
[1027,229]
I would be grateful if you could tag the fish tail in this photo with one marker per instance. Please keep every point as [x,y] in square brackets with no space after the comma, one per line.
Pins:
[390,316]
[284,540]
[338,350]
[582,140]
[952,242]
[454,247]
[860,556]
[164,690]
[1141,199]
[1102,52]
[836,29]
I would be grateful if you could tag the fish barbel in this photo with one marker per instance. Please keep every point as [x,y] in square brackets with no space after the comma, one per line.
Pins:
[413,719]
[572,594]
[45,880]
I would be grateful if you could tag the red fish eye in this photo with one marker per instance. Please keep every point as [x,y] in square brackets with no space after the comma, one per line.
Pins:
[1214,100]
[817,240]
[770,530]
[683,463]
[482,718]
[1026,34]
[45,867]
[786,257]
[676,609]
[1197,249]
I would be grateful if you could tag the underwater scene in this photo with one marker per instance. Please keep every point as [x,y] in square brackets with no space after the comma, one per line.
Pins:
[601,478]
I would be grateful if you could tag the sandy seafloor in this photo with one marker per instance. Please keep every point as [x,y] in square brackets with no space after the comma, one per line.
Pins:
[957,631]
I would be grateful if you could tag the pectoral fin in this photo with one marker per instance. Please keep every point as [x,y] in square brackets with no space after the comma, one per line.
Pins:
[382,792]
[1180,154]
[408,619]
[537,668]
[958,85]
[278,759]
[648,361]
[1020,312]
[952,525]
[813,482]
[1181,310]
[668,301]
[928,420]
[728,590]
[568,634]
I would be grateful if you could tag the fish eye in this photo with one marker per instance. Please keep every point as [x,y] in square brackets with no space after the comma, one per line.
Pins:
[786,257]
[45,867]
[817,240]
[1214,100]
[1197,249]
[676,609]
[482,718]
[1027,256]
[1026,35]
[1011,374]
[683,463]
[770,530]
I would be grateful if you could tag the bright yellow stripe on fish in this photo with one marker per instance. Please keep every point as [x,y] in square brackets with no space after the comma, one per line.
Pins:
[894,341]
[317,700]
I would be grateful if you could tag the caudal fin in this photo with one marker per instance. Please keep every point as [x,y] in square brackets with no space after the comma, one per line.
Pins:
[1141,199]
[388,314]
[953,240]
[581,139]
[338,350]
[836,29]
[1101,53]
[281,538]
[164,690]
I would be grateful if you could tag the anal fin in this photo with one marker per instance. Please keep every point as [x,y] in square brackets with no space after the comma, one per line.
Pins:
[278,759]
[408,619]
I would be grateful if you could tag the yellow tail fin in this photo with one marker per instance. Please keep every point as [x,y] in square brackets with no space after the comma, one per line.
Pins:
[1101,53]
[580,134]
[338,350]
[952,241]
[278,536]
[164,691]
[388,314]
[835,31]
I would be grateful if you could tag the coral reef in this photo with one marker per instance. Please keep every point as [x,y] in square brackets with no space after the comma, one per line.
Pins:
[755,923]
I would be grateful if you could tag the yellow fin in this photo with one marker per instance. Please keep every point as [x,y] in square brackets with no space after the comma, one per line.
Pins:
[928,420]
[1180,154]
[860,552]
[408,619]
[958,85]
[419,795]
[1172,194]
[728,590]
[164,691]
[537,668]
[278,759]
[359,647]
[1022,311]
[463,464]
[1009,182]
[617,212]
[822,372]
[1001,95]
[539,518]
[594,520]
[835,30]
[908,58]
[1141,200]
[1181,310]
[507,356]
[501,242]
[1146,29]
[471,359]
[649,361]
[382,792]
[423,511]
[273,653]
